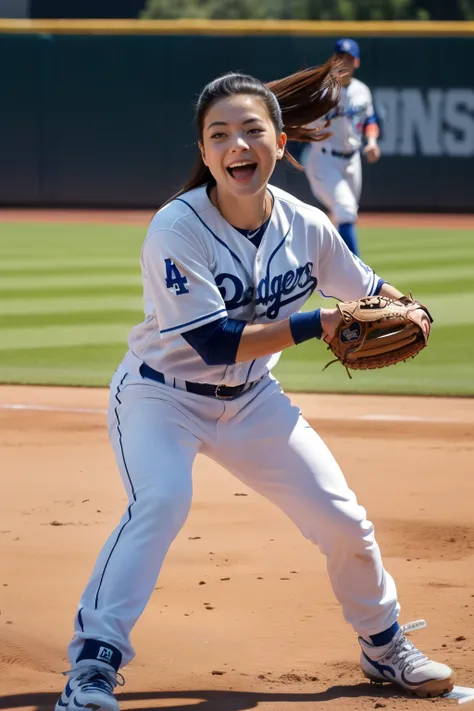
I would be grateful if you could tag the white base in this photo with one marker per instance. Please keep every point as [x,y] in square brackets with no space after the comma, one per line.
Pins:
[462,693]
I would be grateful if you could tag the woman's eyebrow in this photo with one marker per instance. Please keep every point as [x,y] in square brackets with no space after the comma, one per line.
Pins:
[224,123]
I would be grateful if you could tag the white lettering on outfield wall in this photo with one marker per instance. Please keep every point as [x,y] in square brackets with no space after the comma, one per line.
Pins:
[433,122]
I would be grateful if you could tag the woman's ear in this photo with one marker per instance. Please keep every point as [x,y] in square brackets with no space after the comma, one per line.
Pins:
[281,143]
[203,155]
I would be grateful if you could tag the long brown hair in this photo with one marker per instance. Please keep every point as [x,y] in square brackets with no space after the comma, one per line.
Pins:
[292,103]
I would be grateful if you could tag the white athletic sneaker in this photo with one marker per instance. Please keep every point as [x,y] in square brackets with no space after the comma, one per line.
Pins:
[400,662]
[91,686]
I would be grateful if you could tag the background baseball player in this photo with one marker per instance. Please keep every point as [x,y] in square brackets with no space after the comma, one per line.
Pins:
[227,265]
[333,168]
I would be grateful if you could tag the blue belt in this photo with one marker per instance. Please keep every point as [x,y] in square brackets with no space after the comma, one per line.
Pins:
[338,154]
[222,392]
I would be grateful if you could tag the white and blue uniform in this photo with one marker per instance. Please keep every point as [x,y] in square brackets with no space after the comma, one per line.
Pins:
[333,166]
[196,269]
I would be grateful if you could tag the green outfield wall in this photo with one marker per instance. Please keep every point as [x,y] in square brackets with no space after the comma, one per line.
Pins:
[102,115]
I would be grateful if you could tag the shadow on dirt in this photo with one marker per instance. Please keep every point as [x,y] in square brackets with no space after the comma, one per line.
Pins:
[208,700]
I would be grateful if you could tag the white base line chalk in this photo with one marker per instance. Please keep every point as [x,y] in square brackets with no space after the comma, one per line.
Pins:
[52,408]
[369,417]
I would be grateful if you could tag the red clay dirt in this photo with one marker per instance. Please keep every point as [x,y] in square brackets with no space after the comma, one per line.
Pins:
[243,615]
[143,217]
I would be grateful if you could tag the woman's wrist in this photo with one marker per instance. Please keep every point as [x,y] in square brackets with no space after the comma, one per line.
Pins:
[307,325]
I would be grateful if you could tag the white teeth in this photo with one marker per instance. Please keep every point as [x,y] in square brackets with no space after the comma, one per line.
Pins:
[241,164]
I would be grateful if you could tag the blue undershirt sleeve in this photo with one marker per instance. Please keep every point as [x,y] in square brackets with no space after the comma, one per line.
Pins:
[217,342]
[379,285]
[371,120]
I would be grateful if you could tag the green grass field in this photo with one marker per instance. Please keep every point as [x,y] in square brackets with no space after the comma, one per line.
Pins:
[70,293]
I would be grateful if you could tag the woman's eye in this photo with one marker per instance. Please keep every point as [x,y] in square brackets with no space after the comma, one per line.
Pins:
[256,130]
[217,135]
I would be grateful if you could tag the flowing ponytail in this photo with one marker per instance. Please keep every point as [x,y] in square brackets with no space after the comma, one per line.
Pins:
[305,97]
[293,103]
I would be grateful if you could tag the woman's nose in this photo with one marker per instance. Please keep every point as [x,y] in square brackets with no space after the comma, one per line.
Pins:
[240,143]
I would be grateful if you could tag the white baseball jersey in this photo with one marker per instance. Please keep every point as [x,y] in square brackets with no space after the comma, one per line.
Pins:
[349,118]
[198,268]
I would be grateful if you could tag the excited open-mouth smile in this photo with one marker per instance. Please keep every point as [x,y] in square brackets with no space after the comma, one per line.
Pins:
[242,170]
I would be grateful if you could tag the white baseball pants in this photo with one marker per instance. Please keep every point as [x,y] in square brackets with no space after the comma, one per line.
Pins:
[156,432]
[335,182]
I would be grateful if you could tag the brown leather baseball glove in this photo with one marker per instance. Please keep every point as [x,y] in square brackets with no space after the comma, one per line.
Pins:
[376,331]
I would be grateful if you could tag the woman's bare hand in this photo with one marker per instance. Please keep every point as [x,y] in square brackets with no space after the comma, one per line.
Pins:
[329,321]
[420,317]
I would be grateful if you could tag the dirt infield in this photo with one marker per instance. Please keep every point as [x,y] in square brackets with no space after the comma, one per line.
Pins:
[242,615]
[142,217]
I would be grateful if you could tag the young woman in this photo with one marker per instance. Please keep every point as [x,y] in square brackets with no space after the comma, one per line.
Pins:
[227,265]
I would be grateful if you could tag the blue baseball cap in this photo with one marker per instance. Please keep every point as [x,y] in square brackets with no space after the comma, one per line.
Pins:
[347,46]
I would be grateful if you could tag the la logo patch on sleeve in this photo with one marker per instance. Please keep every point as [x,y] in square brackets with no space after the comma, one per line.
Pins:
[174,279]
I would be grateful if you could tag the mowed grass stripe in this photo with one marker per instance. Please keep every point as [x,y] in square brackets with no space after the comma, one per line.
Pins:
[62,365]
[430,274]
[68,237]
[54,272]
[121,291]
[451,260]
[433,288]
[45,263]
[61,354]
[70,335]
[391,238]
[413,250]
[70,305]
[404,378]
[61,373]
[79,318]
[417,241]
[38,283]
